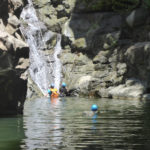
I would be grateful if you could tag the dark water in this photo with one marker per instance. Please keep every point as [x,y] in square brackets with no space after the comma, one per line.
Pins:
[63,125]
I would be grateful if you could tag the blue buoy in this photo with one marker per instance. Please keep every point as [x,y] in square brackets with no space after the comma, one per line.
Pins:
[94,107]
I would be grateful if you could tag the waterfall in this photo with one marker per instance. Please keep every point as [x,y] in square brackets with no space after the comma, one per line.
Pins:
[57,65]
[43,69]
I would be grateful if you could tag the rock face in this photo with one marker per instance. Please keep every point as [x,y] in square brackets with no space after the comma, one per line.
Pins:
[14,53]
[105,54]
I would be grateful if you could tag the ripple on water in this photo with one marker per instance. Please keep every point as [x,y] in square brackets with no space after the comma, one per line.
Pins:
[61,125]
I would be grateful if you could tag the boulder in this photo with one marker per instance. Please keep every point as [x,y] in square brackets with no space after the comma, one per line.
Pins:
[17,4]
[79,44]
[137,17]
[10,29]
[83,84]
[13,20]
[137,53]
[128,91]
[146,97]
[10,40]
[23,63]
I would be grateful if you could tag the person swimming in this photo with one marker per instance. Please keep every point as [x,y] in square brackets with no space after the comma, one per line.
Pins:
[53,91]
[94,111]
[63,90]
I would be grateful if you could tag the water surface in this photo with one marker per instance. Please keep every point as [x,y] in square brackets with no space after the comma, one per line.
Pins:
[64,124]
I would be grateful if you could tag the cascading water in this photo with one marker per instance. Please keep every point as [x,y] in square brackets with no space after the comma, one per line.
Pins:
[57,65]
[36,35]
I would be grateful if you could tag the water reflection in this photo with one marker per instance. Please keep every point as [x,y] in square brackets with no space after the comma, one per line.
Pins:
[60,124]
[94,121]
[42,123]
[11,132]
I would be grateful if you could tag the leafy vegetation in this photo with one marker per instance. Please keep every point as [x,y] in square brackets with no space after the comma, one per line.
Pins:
[147,3]
[124,5]
[114,5]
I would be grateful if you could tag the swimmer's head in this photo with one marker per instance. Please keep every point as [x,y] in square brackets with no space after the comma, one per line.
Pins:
[94,107]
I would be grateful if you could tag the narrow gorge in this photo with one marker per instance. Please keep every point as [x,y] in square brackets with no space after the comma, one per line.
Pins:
[98,49]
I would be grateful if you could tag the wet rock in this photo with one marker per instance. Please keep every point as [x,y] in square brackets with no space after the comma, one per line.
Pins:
[65,42]
[100,74]
[111,40]
[68,58]
[10,29]
[146,97]
[137,17]
[102,57]
[137,52]
[22,63]
[62,12]
[55,2]
[79,44]
[17,4]
[12,92]
[32,91]
[103,92]
[39,3]
[132,82]
[68,32]
[12,42]
[100,67]
[135,91]
[121,68]
[12,47]
[66,4]
[13,20]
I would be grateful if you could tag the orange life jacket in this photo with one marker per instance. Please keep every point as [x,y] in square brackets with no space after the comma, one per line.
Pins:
[54,93]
